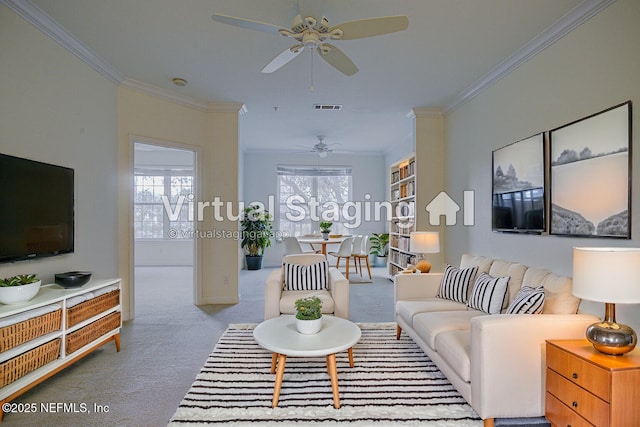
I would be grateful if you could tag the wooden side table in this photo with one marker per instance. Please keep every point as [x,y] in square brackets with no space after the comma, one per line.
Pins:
[588,388]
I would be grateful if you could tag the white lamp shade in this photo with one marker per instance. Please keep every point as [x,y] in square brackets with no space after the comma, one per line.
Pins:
[609,275]
[424,242]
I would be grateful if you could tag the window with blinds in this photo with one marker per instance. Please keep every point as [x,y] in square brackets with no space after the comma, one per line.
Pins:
[304,192]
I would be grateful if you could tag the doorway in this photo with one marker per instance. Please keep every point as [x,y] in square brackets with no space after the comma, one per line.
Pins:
[164,182]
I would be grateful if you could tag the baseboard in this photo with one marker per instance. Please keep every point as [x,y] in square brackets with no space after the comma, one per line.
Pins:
[218,300]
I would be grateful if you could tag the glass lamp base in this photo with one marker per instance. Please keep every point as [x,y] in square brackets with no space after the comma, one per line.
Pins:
[612,338]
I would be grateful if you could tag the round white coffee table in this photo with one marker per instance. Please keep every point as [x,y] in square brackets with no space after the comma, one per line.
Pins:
[280,336]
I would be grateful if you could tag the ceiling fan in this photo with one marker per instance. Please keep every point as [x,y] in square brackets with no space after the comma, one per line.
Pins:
[321,148]
[312,33]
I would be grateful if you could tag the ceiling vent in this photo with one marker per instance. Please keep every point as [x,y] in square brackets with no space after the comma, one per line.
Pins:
[327,107]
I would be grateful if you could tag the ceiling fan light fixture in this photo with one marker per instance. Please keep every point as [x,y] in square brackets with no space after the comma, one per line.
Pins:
[311,32]
[322,154]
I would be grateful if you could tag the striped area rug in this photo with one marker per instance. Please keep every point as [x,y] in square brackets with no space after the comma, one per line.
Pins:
[393,383]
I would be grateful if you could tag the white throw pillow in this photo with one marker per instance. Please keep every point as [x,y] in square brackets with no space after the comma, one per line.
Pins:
[455,283]
[311,277]
[529,300]
[488,293]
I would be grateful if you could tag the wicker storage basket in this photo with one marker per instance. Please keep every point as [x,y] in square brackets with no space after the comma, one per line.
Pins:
[90,308]
[13,335]
[21,365]
[92,331]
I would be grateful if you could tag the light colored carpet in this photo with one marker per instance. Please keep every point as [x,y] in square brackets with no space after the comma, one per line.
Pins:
[393,382]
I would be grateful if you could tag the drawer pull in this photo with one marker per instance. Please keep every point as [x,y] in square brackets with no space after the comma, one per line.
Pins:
[574,404]
[574,376]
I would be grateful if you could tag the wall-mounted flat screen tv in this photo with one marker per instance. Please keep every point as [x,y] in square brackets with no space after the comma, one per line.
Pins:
[518,187]
[36,209]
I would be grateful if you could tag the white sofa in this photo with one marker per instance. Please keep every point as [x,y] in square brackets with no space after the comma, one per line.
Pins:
[335,300]
[495,361]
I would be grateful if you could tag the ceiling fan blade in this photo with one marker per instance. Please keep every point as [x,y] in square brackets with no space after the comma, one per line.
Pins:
[371,27]
[336,58]
[247,24]
[283,58]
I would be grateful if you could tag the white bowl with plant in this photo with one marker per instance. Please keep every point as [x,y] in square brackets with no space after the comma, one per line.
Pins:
[309,315]
[19,289]
[325,229]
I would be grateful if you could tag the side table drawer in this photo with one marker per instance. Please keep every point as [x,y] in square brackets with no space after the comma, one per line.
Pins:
[578,399]
[588,376]
[560,415]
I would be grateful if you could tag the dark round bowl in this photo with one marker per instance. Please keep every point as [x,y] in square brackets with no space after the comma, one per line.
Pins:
[73,279]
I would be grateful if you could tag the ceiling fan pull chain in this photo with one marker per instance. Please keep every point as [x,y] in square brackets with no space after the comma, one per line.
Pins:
[311,86]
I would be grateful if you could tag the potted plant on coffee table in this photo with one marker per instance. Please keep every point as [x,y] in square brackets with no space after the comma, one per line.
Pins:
[325,229]
[379,249]
[256,229]
[308,315]
[19,289]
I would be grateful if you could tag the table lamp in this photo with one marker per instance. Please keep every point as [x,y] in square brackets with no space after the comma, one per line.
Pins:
[424,242]
[609,275]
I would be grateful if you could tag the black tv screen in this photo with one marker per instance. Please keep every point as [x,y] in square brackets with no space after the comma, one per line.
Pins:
[36,209]
[519,211]
[518,196]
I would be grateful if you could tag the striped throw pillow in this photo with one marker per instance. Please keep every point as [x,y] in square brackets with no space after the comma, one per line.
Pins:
[488,293]
[455,283]
[529,300]
[311,277]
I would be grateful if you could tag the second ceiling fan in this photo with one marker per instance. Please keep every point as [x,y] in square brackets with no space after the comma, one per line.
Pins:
[312,33]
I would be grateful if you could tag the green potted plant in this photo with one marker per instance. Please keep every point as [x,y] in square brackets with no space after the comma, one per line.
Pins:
[325,229]
[308,315]
[19,289]
[379,249]
[256,229]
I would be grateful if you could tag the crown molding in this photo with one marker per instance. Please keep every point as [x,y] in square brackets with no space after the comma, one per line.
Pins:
[186,101]
[165,94]
[571,20]
[39,19]
[426,112]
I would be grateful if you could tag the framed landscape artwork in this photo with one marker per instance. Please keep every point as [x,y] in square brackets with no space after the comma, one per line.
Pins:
[518,187]
[591,175]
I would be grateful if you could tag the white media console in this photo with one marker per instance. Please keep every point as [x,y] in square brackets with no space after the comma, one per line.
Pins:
[57,327]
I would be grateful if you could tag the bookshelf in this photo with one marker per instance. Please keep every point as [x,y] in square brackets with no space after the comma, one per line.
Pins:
[403,201]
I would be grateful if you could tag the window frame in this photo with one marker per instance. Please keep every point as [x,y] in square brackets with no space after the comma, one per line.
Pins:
[167,224]
[312,218]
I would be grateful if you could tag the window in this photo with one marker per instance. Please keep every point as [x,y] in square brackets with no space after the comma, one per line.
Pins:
[306,193]
[151,221]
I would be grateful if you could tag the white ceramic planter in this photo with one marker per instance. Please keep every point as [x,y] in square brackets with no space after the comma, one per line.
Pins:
[19,294]
[309,327]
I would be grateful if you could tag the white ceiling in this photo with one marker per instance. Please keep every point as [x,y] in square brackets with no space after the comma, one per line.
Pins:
[451,48]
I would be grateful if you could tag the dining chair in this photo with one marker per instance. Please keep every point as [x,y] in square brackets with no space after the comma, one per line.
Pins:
[292,247]
[344,252]
[362,253]
[356,248]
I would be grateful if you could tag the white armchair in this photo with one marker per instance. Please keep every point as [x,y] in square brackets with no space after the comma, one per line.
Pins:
[277,301]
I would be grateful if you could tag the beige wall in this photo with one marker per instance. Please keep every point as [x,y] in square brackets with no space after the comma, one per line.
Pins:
[56,109]
[594,67]
[214,136]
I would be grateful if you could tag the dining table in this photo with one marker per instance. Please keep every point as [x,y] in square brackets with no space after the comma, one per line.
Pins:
[313,241]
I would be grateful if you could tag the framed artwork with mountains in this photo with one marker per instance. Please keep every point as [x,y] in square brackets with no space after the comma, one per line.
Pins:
[590,180]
